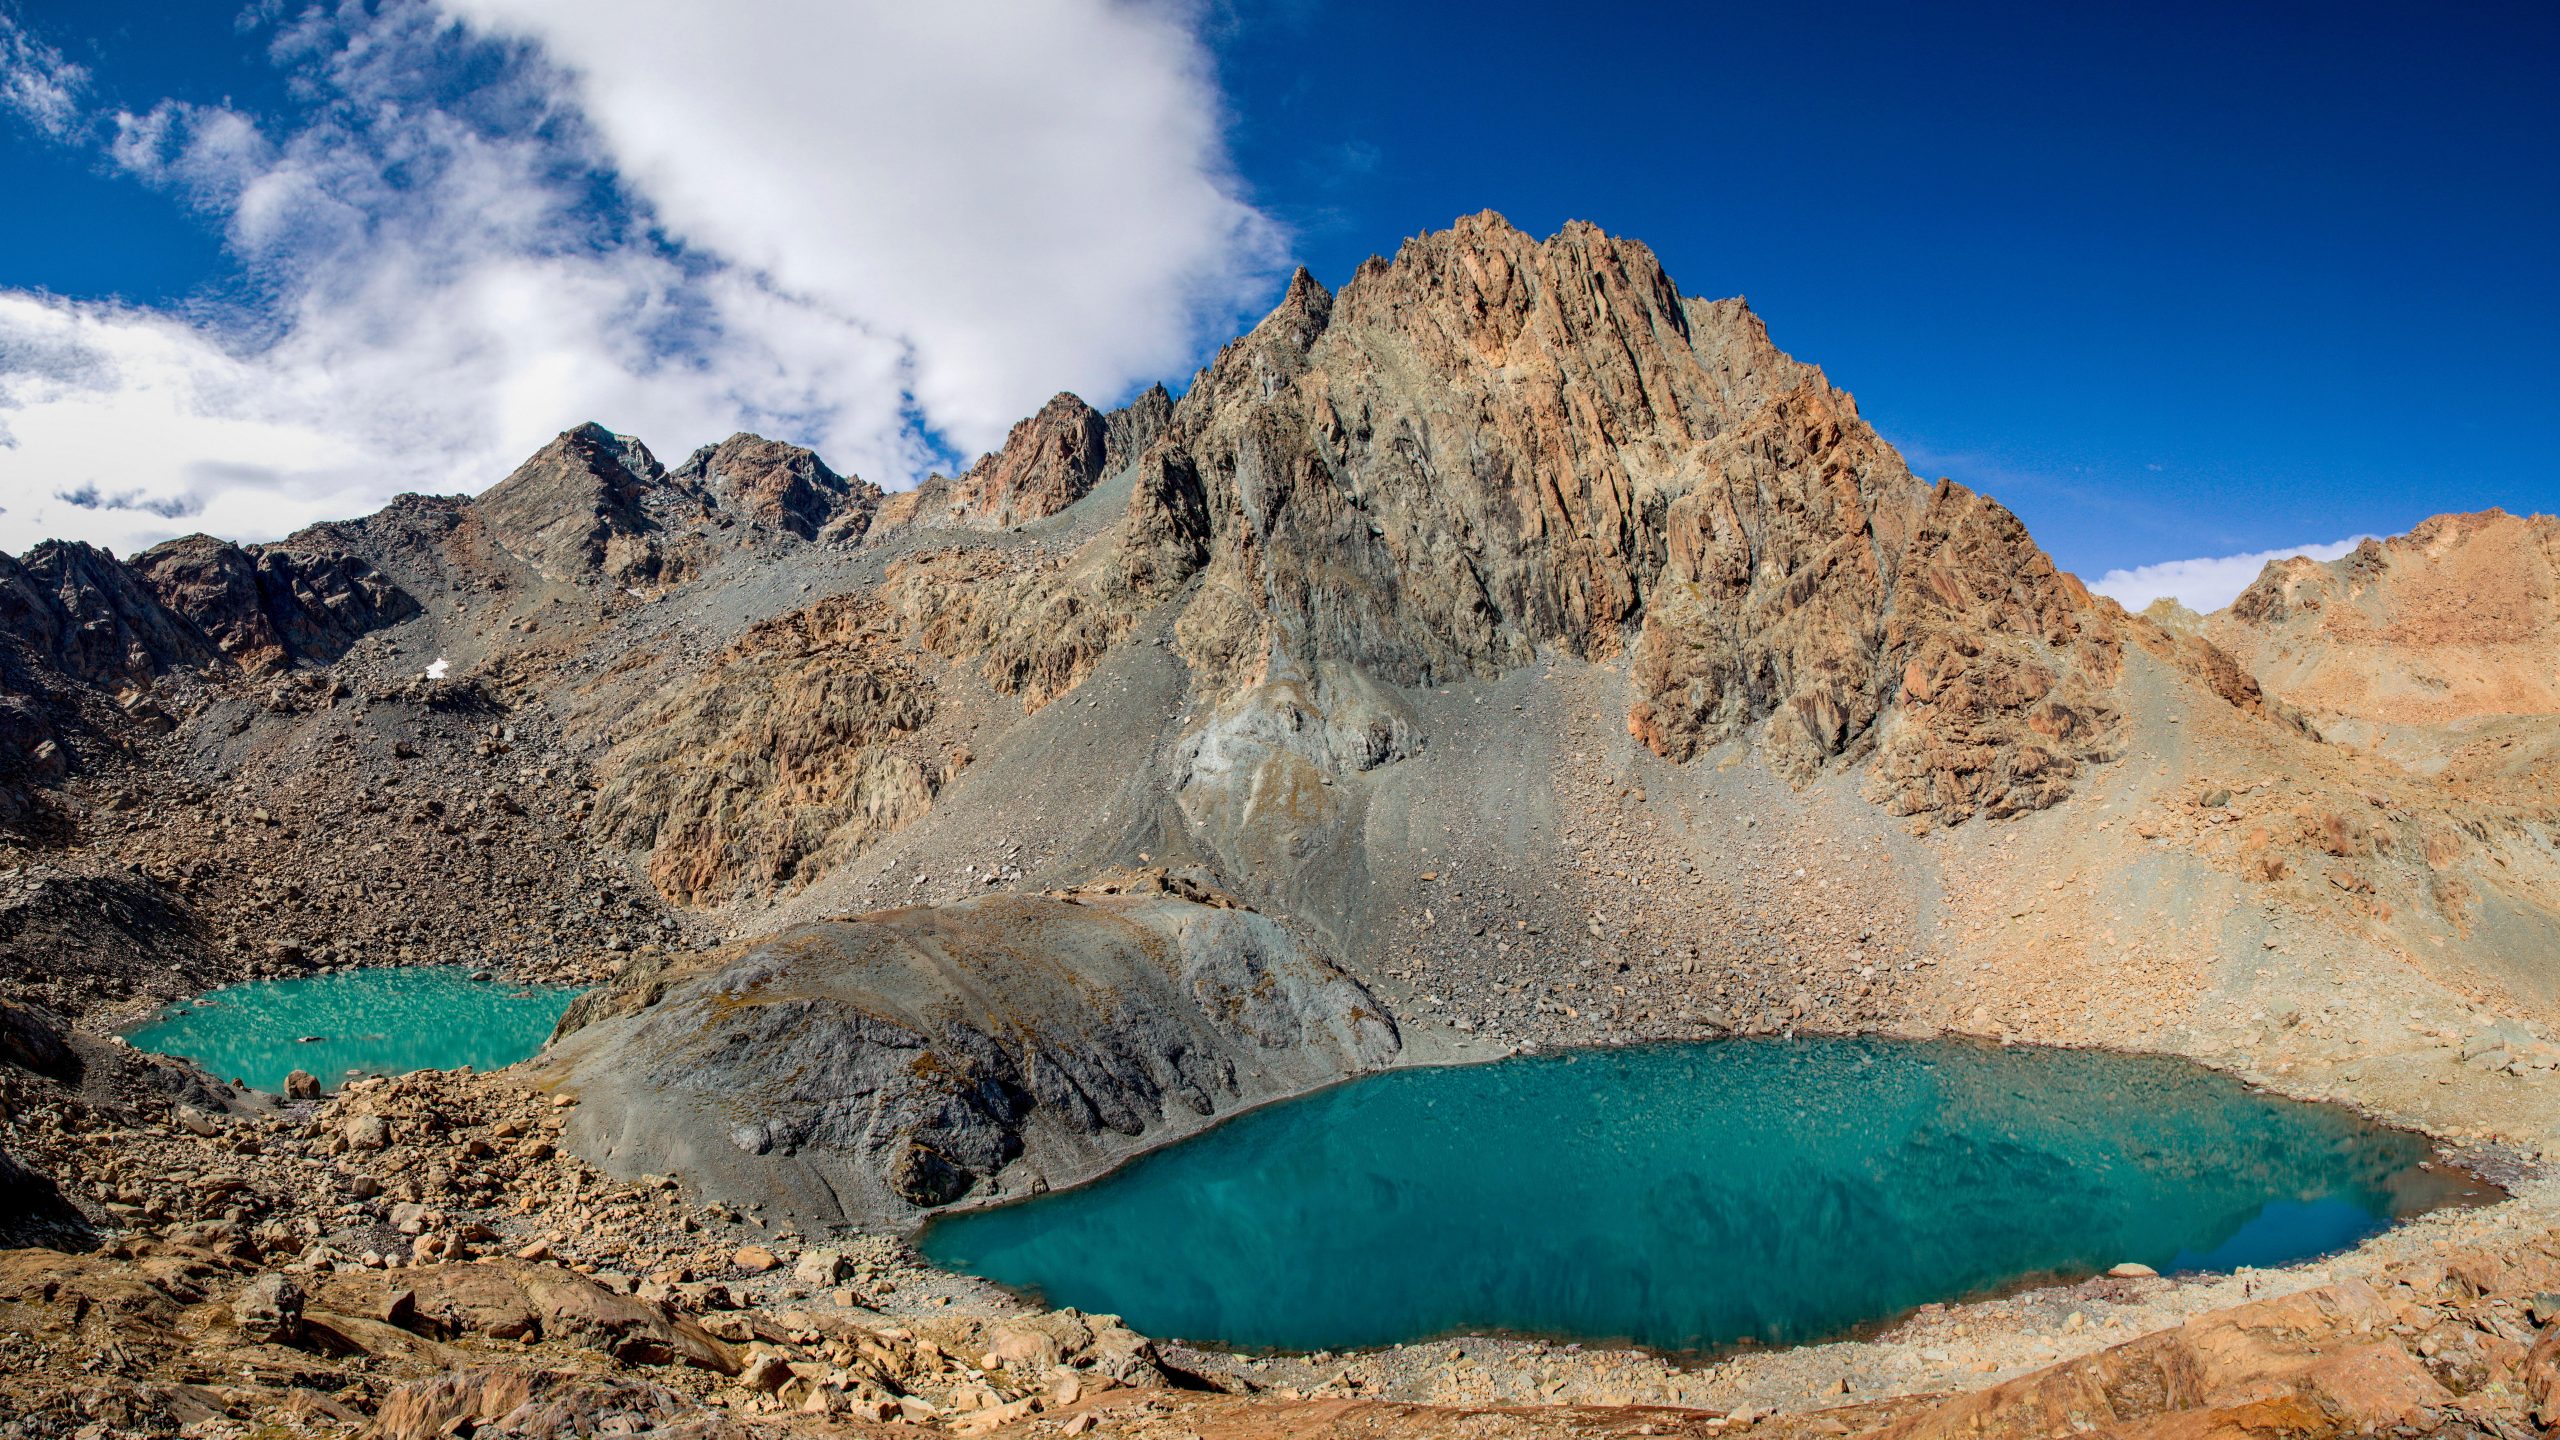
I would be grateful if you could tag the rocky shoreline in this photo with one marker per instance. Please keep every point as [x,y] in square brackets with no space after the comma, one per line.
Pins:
[368,1209]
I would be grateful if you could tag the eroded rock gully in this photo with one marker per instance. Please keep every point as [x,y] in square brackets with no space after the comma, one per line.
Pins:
[1504,650]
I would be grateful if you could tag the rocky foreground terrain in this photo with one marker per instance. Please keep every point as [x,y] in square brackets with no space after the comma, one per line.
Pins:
[1505,651]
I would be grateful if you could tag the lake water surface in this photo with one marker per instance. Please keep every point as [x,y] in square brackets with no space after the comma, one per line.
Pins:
[1692,1196]
[385,1021]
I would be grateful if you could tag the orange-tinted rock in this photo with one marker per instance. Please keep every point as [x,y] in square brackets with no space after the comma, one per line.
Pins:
[1046,465]
[791,754]
[2456,619]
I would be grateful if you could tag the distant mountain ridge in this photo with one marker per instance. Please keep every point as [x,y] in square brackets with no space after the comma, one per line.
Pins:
[2456,619]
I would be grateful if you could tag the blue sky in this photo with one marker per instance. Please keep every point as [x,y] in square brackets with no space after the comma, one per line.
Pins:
[2171,282]
[2168,280]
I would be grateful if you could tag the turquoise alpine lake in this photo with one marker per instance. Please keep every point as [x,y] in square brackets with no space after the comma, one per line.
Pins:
[357,1022]
[1688,1197]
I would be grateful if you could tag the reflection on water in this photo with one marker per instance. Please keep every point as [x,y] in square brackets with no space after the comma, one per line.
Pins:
[1687,1196]
[358,1022]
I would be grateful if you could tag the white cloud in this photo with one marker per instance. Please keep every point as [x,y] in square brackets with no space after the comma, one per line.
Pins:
[1032,194]
[37,84]
[2209,583]
[840,221]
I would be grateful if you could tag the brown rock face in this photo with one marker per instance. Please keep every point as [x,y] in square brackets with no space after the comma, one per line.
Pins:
[1037,633]
[542,1402]
[781,486]
[2316,1363]
[93,618]
[790,755]
[1046,465]
[580,507]
[265,607]
[1494,444]
[2458,618]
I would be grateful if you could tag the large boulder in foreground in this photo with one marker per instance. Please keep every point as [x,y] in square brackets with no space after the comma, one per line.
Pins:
[866,1069]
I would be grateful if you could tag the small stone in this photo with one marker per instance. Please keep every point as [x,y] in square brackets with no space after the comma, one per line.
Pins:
[734,1328]
[2131,1270]
[537,1251]
[755,1259]
[765,1373]
[821,1268]
[269,1312]
[302,1085]
[367,1132]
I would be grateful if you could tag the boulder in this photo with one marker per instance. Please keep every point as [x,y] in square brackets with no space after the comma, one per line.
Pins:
[269,1310]
[821,1268]
[512,1300]
[543,1402]
[30,1040]
[861,1070]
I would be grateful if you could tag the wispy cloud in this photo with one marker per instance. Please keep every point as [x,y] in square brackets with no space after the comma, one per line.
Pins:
[90,497]
[886,231]
[2208,583]
[37,84]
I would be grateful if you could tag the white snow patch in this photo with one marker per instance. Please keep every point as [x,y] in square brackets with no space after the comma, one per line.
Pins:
[436,670]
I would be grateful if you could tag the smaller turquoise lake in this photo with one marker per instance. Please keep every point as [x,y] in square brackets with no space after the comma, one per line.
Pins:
[1688,1197]
[359,1022]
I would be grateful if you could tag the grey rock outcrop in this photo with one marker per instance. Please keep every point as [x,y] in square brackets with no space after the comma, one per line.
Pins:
[781,486]
[34,1214]
[581,506]
[864,1069]
[1131,430]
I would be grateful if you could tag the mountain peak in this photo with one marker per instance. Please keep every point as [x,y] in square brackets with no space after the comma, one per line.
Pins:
[1047,463]
[576,506]
[781,486]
